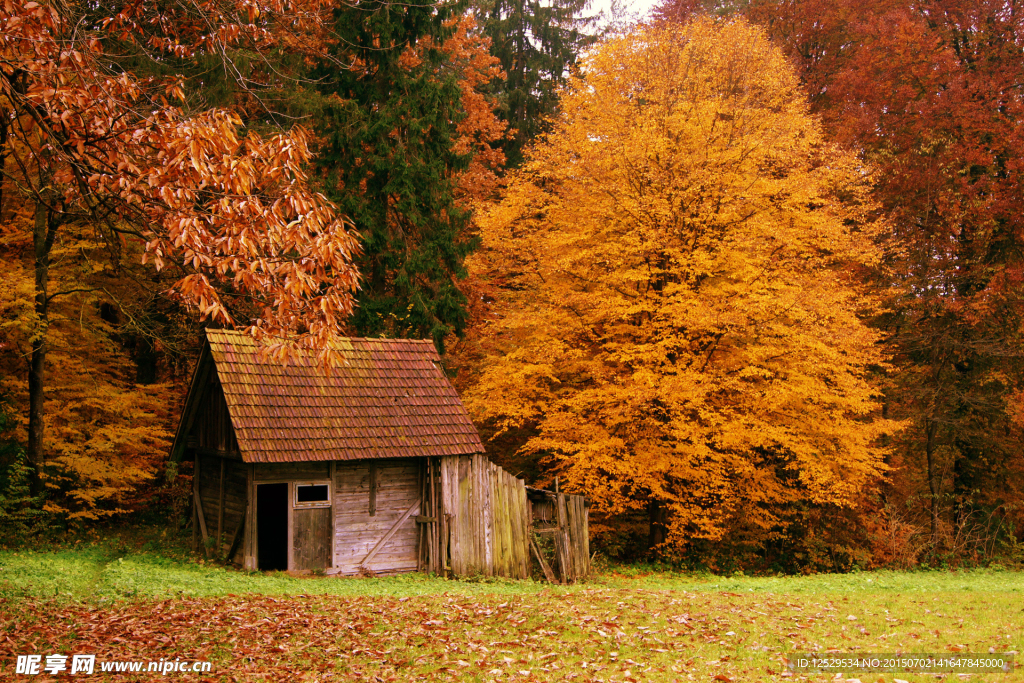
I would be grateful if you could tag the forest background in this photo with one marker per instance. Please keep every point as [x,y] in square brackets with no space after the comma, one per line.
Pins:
[749,277]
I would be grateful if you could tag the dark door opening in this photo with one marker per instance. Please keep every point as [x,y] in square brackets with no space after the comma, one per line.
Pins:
[272,526]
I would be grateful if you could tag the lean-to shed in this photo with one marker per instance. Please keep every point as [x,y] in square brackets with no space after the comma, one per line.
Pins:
[373,467]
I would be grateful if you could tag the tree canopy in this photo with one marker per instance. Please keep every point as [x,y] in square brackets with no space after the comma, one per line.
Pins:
[407,137]
[110,158]
[681,323]
[928,93]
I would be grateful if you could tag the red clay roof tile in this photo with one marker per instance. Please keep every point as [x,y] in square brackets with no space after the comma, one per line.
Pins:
[388,399]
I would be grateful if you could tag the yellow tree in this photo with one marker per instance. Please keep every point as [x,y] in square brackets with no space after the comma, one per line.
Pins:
[106,435]
[679,327]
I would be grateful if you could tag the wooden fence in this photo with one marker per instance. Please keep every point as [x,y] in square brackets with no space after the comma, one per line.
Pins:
[488,517]
[477,519]
[563,519]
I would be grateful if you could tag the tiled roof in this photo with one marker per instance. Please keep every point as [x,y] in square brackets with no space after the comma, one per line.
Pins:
[389,398]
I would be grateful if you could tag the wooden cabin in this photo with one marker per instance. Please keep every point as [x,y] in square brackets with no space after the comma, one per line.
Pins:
[372,468]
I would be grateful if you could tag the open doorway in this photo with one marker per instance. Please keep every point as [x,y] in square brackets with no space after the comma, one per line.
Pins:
[272,526]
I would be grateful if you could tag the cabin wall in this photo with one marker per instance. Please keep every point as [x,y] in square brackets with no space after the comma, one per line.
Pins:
[477,518]
[372,503]
[217,494]
[292,471]
[373,498]
[212,429]
[305,528]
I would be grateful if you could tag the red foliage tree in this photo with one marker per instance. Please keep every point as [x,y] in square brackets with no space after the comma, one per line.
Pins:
[91,141]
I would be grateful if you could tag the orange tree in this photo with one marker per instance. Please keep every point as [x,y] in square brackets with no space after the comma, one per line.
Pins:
[678,328]
[106,436]
[931,94]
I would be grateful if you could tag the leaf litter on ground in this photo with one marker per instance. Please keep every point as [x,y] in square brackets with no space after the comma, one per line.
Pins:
[588,633]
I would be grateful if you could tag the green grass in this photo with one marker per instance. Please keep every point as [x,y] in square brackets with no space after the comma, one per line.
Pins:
[101,574]
[879,581]
[109,569]
[128,599]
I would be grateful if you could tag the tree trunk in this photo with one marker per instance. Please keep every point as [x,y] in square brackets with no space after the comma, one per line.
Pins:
[659,521]
[42,237]
[934,485]
[4,134]
[145,361]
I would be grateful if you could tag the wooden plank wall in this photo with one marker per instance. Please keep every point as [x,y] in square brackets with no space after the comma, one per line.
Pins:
[293,471]
[248,541]
[487,518]
[432,526]
[357,532]
[471,517]
[212,428]
[233,493]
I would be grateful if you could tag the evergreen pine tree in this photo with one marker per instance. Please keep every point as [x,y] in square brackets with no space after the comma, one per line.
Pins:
[538,44]
[389,128]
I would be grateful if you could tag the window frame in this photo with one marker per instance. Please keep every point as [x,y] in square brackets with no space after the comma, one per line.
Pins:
[310,504]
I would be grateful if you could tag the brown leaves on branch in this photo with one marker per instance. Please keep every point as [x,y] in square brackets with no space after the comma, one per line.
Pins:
[480,131]
[239,211]
[231,209]
[187,29]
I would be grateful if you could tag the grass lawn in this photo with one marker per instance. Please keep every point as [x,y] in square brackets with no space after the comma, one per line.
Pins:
[120,602]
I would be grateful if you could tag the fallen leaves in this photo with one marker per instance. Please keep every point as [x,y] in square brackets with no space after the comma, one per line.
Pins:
[582,635]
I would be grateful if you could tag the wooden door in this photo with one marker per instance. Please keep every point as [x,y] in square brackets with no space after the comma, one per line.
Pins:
[311,538]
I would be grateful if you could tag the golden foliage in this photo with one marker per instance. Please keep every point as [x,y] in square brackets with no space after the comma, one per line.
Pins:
[105,435]
[679,318]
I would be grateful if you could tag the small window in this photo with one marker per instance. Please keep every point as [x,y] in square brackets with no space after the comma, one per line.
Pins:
[312,495]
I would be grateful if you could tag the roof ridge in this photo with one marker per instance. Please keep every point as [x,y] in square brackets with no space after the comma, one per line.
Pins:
[240,333]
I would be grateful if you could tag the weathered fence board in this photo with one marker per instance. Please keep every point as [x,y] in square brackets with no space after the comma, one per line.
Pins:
[564,519]
[485,511]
